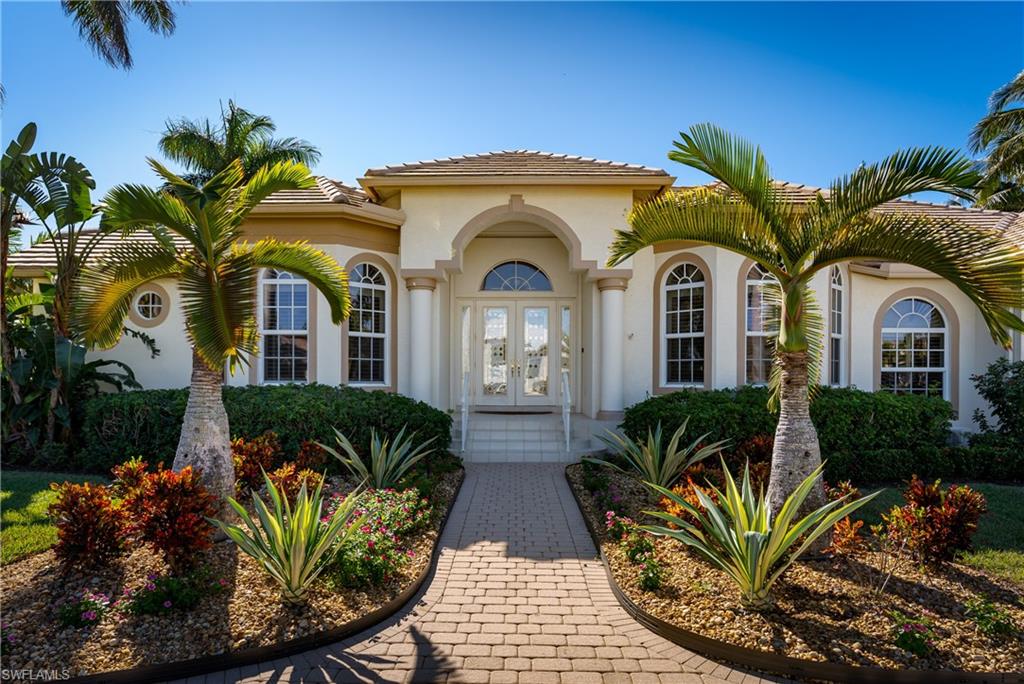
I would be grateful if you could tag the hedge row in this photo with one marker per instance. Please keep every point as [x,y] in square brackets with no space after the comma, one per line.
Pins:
[865,436]
[148,423]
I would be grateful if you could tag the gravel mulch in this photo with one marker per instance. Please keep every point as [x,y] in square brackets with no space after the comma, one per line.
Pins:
[248,613]
[824,609]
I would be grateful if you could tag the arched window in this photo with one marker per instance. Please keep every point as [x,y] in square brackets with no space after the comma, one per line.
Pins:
[369,326]
[835,330]
[284,327]
[761,328]
[684,320]
[516,276]
[914,353]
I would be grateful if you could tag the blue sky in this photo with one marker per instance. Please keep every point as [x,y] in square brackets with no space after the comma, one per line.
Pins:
[822,87]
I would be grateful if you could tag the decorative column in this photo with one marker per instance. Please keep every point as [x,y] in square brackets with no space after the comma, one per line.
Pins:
[613,295]
[421,334]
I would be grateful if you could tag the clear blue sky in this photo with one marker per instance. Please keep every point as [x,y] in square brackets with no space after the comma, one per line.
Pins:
[821,86]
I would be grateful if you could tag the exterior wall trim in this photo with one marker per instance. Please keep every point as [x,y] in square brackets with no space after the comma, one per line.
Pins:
[392,338]
[952,327]
[709,321]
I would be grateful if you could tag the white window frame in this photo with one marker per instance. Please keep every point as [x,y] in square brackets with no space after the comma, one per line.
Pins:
[137,301]
[386,335]
[837,298]
[765,279]
[264,280]
[944,331]
[665,288]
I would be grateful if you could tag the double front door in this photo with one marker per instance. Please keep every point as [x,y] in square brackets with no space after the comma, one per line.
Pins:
[517,353]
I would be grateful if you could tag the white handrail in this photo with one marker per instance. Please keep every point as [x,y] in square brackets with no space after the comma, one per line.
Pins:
[465,410]
[566,407]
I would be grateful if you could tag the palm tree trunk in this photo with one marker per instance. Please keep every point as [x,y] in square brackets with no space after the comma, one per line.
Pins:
[796,453]
[205,442]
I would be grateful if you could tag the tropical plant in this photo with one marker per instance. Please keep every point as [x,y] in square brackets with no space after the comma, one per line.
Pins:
[290,542]
[389,459]
[217,275]
[743,537]
[653,462]
[1002,386]
[999,136]
[205,148]
[747,212]
[104,24]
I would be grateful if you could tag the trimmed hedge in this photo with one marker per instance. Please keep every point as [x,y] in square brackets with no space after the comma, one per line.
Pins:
[147,423]
[864,436]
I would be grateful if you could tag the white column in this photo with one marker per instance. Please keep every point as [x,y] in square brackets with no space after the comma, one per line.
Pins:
[421,334]
[613,296]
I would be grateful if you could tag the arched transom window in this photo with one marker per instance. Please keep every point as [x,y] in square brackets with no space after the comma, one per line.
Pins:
[369,326]
[761,326]
[836,322]
[914,354]
[684,322]
[284,327]
[516,276]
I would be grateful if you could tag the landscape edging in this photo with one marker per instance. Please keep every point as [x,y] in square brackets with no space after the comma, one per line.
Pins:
[772,662]
[223,661]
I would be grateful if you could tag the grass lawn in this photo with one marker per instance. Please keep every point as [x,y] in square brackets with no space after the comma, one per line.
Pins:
[24,497]
[999,542]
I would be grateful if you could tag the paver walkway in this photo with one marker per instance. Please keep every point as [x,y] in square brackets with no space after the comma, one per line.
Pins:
[518,596]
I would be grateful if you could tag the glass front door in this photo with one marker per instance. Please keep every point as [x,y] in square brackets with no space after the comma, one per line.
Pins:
[514,366]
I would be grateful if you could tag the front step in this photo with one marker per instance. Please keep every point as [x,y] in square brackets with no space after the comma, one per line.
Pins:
[524,438]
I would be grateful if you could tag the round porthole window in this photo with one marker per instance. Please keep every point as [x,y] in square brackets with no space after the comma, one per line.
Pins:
[149,308]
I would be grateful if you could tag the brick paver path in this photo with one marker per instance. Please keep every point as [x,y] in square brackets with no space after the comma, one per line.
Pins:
[518,596]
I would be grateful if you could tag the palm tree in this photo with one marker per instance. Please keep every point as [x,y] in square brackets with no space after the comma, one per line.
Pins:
[217,280]
[1000,137]
[104,24]
[745,213]
[204,148]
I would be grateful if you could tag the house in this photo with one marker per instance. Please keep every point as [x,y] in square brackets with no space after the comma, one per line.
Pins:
[482,280]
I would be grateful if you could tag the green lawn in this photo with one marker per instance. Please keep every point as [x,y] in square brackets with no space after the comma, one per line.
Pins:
[999,542]
[24,525]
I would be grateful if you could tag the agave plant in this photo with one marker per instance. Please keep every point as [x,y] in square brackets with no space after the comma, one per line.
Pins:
[389,460]
[291,542]
[741,536]
[654,464]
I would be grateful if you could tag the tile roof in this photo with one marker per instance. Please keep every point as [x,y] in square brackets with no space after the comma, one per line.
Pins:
[516,163]
[41,255]
[977,218]
[327,191]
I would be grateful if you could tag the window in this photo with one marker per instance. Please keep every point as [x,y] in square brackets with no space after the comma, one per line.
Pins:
[684,320]
[914,348]
[284,327]
[516,276]
[368,326]
[149,306]
[761,326]
[835,334]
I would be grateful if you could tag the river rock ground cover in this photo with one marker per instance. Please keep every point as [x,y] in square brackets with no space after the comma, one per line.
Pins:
[825,609]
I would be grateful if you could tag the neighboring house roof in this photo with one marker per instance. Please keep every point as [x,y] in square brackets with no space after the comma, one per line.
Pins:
[515,163]
[1015,231]
[327,191]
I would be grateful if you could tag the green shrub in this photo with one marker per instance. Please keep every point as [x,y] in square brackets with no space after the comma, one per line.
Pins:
[864,436]
[1002,386]
[147,423]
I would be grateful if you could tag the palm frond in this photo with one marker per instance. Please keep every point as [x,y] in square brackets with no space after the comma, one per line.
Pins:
[105,288]
[301,259]
[193,144]
[284,175]
[700,215]
[273,151]
[983,264]
[130,207]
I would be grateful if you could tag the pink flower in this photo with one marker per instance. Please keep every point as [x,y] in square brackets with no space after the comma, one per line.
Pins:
[167,604]
[150,586]
[89,615]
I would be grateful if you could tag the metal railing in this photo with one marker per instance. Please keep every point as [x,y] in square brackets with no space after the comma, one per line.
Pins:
[465,411]
[566,408]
